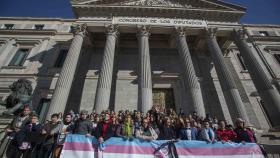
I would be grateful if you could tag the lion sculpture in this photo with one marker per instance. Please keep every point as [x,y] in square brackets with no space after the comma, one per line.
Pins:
[20,96]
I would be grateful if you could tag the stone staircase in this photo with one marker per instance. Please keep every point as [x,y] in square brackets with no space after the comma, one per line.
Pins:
[270,141]
[4,121]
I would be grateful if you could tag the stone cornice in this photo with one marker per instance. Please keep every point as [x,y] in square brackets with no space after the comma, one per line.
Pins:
[37,19]
[272,48]
[27,32]
[266,38]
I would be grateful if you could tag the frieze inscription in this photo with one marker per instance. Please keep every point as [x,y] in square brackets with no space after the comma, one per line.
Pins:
[159,21]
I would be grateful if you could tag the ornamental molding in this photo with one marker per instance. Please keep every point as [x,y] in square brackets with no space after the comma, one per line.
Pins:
[162,3]
[77,28]
[212,32]
[241,33]
[112,30]
[155,3]
[144,31]
[180,31]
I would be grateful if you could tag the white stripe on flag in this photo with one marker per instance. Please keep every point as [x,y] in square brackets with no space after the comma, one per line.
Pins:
[77,154]
[115,155]
[225,156]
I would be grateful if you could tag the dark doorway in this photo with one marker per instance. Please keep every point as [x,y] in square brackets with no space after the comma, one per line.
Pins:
[164,98]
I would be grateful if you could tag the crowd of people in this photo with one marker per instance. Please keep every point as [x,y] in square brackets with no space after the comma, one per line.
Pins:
[29,138]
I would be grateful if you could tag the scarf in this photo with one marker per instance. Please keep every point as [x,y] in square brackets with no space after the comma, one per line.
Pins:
[127,129]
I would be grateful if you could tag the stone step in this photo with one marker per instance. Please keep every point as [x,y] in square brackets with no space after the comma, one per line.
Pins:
[270,139]
[272,151]
[4,121]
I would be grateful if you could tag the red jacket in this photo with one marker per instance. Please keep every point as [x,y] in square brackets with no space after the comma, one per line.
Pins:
[226,135]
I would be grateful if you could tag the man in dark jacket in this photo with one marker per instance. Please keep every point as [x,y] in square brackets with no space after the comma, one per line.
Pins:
[31,133]
[13,131]
[83,125]
[50,133]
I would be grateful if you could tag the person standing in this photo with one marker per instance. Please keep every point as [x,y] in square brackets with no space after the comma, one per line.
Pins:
[224,134]
[82,125]
[126,129]
[104,129]
[167,131]
[50,133]
[64,129]
[244,134]
[13,132]
[31,138]
[207,133]
[187,132]
[146,132]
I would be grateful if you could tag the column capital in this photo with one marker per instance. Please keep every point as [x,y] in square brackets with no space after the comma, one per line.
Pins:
[112,30]
[77,28]
[143,31]
[211,32]
[180,31]
[241,33]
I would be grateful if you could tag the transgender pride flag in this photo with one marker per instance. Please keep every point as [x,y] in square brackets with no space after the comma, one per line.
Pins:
[79,146]
[199,149]
[118,148]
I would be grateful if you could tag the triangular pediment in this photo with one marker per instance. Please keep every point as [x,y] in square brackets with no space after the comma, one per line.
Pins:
[153,3]
[202,4]
[212,10]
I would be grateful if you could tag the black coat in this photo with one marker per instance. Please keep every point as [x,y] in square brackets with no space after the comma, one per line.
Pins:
[167,133]
[82,127]
[30,133]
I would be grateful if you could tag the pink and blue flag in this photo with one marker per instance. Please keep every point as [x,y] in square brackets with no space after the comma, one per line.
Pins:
[79,146]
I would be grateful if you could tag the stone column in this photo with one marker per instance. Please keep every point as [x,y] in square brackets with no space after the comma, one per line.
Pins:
[190,78]
[103,90]
[226,80]
[66,76]
[269,95]
[145,94]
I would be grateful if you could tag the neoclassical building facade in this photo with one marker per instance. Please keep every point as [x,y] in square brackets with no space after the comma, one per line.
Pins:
[190,55]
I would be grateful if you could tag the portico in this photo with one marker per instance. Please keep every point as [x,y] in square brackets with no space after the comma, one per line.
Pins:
[132,54]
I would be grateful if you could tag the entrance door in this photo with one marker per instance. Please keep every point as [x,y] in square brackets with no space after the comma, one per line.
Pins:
[164,98]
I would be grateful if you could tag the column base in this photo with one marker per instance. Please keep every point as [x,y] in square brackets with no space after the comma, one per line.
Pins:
[102,99]
[271,98]
[196,99]
[235,104]
[146,99]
